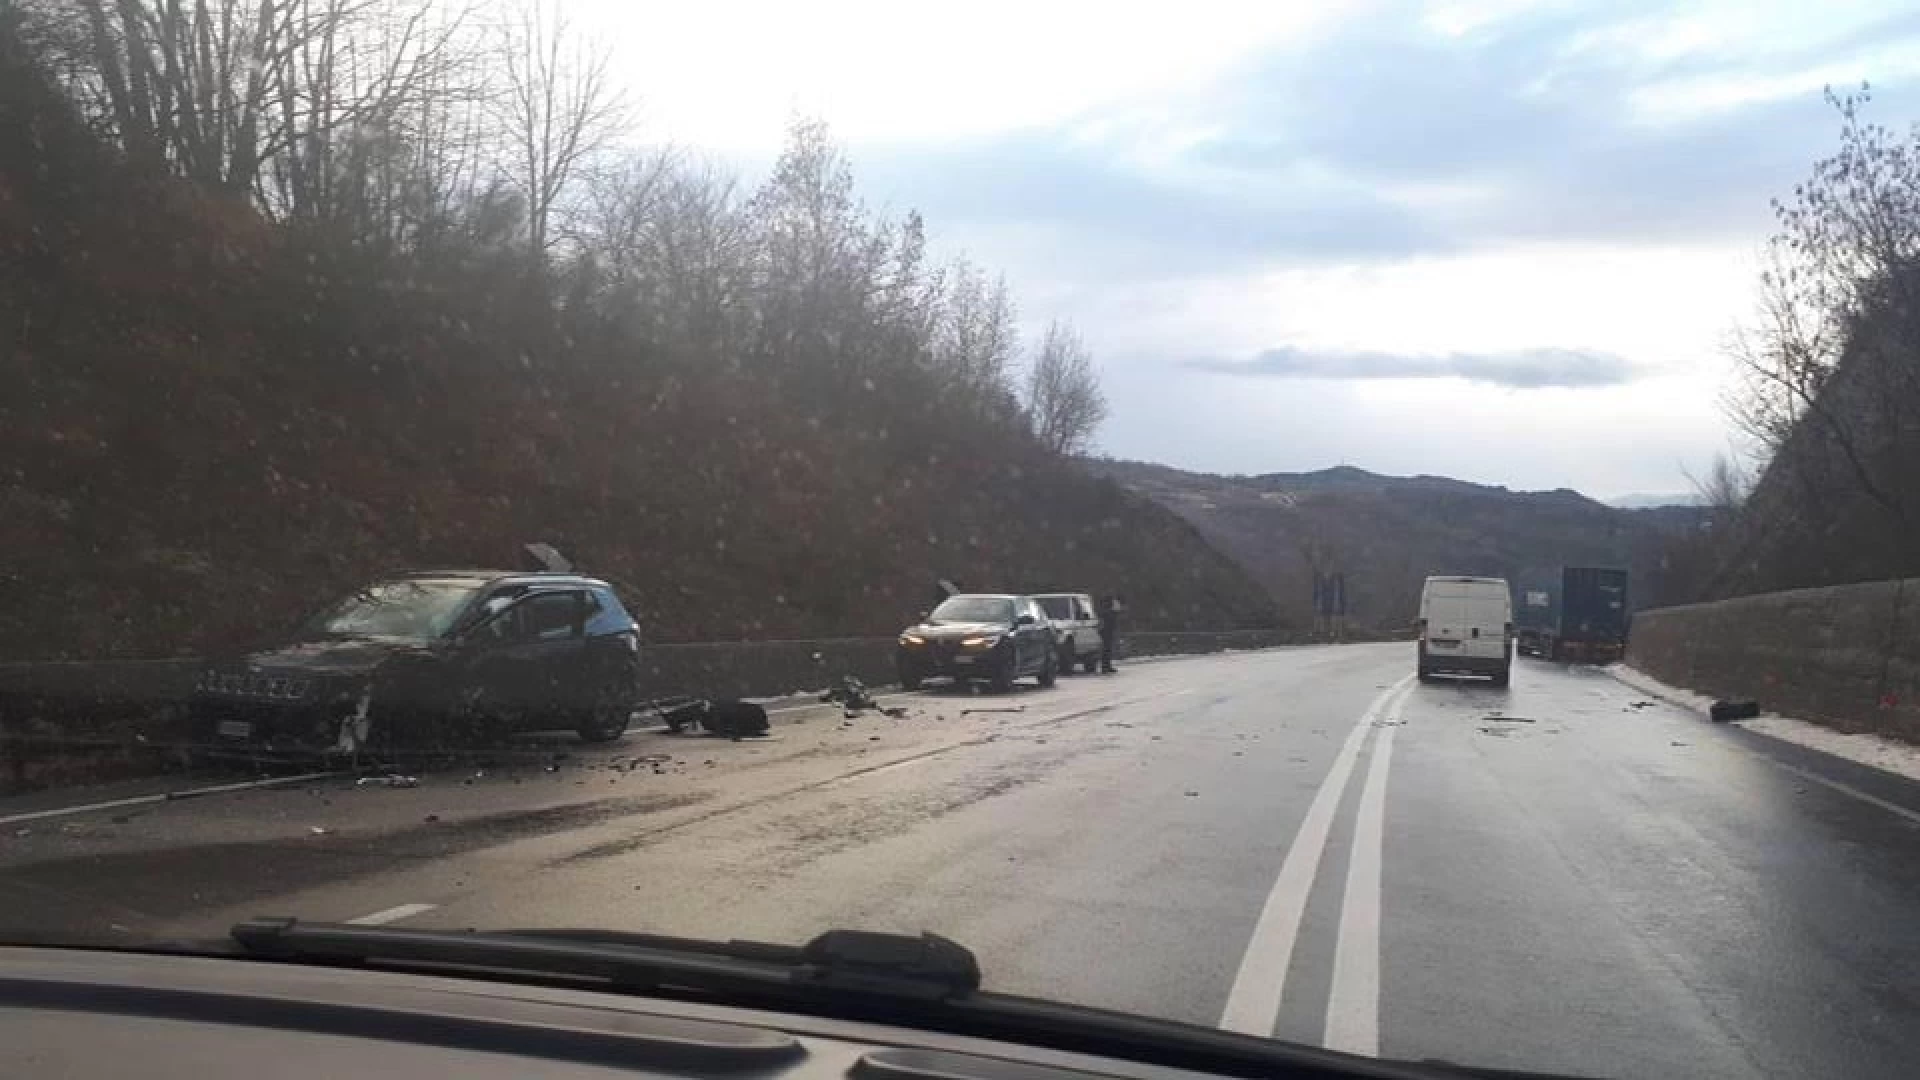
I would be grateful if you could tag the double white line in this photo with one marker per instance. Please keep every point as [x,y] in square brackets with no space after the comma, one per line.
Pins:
[1353,1003]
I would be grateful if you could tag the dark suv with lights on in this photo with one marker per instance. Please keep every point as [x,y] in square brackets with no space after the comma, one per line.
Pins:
[431,660]
[991,637]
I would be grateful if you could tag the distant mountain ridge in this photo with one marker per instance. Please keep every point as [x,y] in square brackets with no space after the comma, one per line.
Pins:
[1387,533]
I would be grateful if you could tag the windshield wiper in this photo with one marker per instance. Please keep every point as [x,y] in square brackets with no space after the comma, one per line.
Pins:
[926,982]
[888,965]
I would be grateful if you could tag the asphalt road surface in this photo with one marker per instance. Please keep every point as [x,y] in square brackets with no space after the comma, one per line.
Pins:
[1302,842]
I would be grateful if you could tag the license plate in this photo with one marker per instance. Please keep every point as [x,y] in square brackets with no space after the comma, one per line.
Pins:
[963,659]
[236,729]
[1441,643]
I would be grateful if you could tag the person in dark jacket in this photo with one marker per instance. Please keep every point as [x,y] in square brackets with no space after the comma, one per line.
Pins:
[1111,607]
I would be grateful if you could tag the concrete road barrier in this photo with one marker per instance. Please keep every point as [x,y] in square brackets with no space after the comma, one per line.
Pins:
[1846,656]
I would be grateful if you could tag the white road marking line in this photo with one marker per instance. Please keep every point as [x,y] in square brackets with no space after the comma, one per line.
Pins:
[164,796]
[1253,1005]
[1846,789]
[392,914]
[1353,1002]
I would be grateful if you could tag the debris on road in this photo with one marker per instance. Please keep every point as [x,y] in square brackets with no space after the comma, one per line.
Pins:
[851,694]
[731,719]
[735,719]
[1641,704]
[318,830]
[390,780]
[1192,794]
[995,709]
[431,818]
[1723,711]
[1510,719]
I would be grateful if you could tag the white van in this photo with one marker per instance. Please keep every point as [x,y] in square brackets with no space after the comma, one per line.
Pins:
[1466,627]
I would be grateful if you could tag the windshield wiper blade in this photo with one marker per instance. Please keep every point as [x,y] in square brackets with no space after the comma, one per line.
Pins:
[928,967]
[926,982]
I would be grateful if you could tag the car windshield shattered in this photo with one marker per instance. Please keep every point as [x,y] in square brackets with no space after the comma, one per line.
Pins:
[1365,538]
[414,610]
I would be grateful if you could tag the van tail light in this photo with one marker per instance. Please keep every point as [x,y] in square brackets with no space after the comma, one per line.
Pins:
[1420,628]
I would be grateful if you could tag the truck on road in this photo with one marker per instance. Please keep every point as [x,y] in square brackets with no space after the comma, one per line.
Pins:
[1581,618]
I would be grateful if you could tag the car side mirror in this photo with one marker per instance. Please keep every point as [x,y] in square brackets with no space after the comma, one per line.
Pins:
[1025,620]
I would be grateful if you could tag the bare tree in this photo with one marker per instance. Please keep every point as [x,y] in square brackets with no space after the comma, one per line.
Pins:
[1064,400]
[558,105]
[667,241]
[975,339]
[1828,378]
[253,97]
[1723,488]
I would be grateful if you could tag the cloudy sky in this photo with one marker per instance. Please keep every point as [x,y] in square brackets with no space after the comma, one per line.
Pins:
[1495,240]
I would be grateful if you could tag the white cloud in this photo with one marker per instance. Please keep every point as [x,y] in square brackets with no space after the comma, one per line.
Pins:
[729,75]
[1458,177]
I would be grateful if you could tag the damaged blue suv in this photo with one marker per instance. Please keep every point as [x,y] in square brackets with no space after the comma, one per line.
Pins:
[431,660]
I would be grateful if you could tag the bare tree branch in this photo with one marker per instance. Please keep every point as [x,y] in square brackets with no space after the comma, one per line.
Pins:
[1064,400]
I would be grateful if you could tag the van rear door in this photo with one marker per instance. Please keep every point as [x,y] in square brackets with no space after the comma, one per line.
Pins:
[1467,616]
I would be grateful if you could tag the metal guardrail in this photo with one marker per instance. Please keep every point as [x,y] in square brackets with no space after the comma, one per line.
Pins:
[67,721]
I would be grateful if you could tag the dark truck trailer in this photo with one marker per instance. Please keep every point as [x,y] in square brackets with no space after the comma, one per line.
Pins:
[1536,613]
[1580,619]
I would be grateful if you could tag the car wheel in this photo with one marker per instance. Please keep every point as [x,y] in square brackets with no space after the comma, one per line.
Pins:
[1049,670]
[1063,660]
[607,719]
[1090,664]
[910,680]
[1425,675]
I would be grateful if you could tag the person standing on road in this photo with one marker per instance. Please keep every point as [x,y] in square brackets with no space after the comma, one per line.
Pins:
[1110,608]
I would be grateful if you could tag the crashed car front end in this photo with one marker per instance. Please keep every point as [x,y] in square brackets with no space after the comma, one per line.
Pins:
[264,713]
[322,700]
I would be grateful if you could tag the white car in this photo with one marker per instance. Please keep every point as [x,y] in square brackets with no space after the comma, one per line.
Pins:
[1076,629]
[1466,628]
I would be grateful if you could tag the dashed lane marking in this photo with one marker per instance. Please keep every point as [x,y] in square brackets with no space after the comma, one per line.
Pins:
[392,915]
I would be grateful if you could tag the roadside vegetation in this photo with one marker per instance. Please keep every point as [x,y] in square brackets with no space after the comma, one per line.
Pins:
[293,292]
[1828,389]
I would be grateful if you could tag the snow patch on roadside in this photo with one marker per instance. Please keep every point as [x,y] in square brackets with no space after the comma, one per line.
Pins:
[1878,751]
